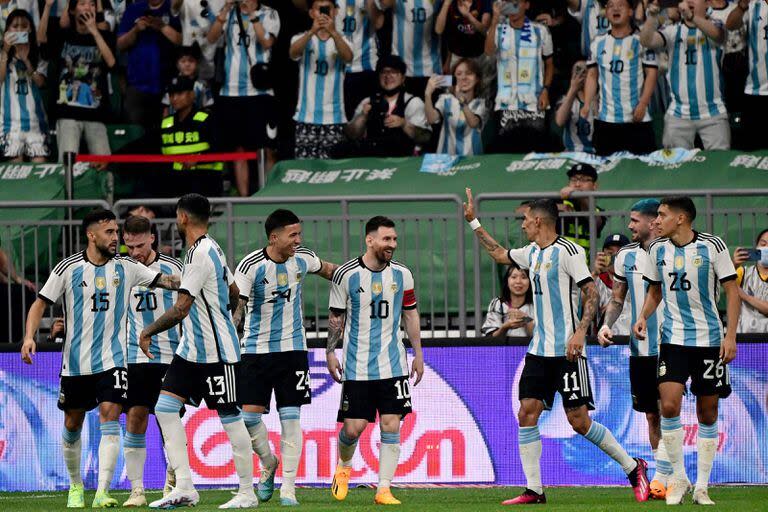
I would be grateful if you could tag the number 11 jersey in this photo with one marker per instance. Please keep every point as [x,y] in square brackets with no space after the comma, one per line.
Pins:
[689,278]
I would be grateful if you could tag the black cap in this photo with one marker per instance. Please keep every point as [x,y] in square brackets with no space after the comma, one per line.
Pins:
[391,61]
[180,84]
[615,240]
[584,169]
[189,51]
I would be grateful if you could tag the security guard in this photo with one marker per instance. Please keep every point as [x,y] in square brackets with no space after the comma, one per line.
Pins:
[190,132]
[581,178]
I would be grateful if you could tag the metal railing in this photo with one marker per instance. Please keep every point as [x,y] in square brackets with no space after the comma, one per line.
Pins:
[436,246]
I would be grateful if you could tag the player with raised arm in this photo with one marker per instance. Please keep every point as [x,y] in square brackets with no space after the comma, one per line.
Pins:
[205,364]
[629,286]
[96,286]
[684,268]
[274,345]
[555,361]
[144,374]
[369,295]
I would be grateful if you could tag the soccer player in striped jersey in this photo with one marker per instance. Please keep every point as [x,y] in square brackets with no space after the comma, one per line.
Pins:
[144,374]
[414,39]
[95,286]
[694,46]
[323,54]
[274,345]
[555,361]
[629,265]
[753,14]
[370,295]
[592,16]
[685,268]
[358,21]
[204,366]
[626,75]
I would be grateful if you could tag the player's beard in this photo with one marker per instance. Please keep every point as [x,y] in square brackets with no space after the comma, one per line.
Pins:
[383,256]
[106,251]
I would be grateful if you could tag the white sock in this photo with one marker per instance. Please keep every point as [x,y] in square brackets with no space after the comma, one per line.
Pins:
[175,437]
[706,446]
[529,445]
[135,451]
[109,449]
[672,437]
[603,439]
[388,457]
[291,444]
[663,467]
[347,449]
[242,452]
[259,437]
[72,450]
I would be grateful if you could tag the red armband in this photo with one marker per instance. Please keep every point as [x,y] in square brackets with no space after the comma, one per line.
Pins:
[409,299]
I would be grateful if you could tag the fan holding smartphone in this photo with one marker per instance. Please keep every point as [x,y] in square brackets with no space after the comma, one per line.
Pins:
[753,285]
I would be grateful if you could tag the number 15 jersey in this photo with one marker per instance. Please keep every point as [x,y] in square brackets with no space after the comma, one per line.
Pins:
[689,278]
[373,302]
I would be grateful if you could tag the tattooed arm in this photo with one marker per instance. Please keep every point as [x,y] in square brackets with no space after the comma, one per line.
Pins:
[612,312]
[575,346]
[234,296]
[170,318]
[335,333]
[168,282]
[491,246]
[327,269]
[238,315]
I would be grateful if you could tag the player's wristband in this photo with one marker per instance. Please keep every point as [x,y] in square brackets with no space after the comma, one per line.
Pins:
[474,224]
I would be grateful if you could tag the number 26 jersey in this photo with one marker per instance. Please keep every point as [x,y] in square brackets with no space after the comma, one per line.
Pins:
[689,277]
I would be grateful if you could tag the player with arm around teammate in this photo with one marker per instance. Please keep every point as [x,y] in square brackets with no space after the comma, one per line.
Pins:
[274,345]
[686,269]
[555,361]
[369,296]
[95,285]
[629,265]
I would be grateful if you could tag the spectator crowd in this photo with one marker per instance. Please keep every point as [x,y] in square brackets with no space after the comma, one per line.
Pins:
[344,78]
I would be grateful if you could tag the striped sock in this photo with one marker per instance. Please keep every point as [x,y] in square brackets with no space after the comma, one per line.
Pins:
[347,448]
[529,445]
[663,467]
[72,450]
[135,451]
[242,452]
[388,457]
[672,437]
[603,439]
[706,446]
[291,444]
[167,414]
[109,449]
[259,436]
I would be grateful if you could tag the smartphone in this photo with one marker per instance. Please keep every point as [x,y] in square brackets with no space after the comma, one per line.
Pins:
[447,81]
[754,254]
[22,37]
[325,9]
[579,68]
[510,8]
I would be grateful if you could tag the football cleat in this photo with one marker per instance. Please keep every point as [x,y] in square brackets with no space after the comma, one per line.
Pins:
[288,500]
[136,499]
[177,498]
[701,497]
[76,496]
[384,497]
[266,486]
[676,489]
[340,484]
[658,490]
[170,481]
[242,500]
[103,500]
[528,497]
[638,479]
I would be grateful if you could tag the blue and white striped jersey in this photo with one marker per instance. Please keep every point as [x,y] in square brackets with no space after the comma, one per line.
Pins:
[414,38]
[321,83]
[620,64]
[577,134]
[628,266]
[95,302]
[593,22]
[756,21]
[274,320]
[21,107]
[689,278]
[556,272]
[520,54]
[237,66]
[353,22]
[147,305]
[208,332]
[456,137]
[694,72]
[373,303]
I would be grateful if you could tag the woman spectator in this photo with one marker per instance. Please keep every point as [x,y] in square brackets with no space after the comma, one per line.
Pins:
[753,288]
[22,74]
[460,111]
[577,130]
[510,314]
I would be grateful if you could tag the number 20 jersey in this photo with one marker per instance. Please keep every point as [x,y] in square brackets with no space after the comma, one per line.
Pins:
[689,278]
[274,321]
[146,306]
[373,302]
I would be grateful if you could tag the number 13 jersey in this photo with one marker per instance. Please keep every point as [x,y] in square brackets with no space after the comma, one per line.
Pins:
[689,278]
[373,302]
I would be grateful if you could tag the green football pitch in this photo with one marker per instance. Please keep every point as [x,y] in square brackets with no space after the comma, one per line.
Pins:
[741,499]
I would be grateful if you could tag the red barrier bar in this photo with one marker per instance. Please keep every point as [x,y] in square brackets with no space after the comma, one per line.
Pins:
[164,159]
